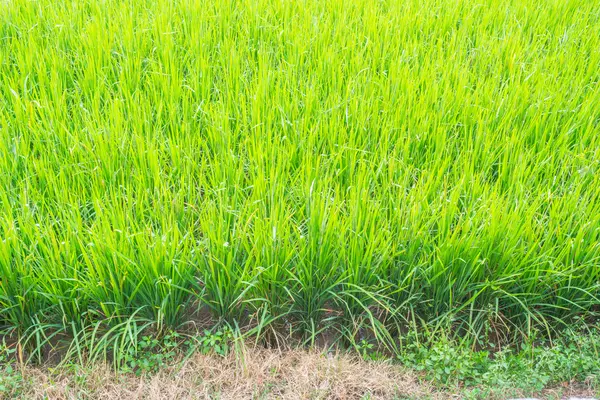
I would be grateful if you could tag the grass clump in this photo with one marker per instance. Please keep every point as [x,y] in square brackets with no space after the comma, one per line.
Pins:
[301,169]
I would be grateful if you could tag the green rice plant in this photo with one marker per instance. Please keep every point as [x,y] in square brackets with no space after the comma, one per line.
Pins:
[298,168]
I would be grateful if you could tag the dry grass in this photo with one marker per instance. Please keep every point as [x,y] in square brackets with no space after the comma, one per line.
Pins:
[260,374]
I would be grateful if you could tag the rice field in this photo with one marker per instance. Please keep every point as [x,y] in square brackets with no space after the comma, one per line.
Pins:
[363,168]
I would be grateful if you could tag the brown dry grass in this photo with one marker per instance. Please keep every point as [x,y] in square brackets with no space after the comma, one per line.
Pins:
[257,374]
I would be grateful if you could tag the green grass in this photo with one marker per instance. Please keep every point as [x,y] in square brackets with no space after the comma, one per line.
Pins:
[361,167]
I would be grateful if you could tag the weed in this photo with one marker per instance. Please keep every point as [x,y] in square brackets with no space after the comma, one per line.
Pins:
[151,354]
[217,342]
[533,367]
[10,377]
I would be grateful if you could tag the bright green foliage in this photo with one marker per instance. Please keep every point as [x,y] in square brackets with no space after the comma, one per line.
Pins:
[10,378]
[358,165]
[535,366]
[218,342]
[151,354]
